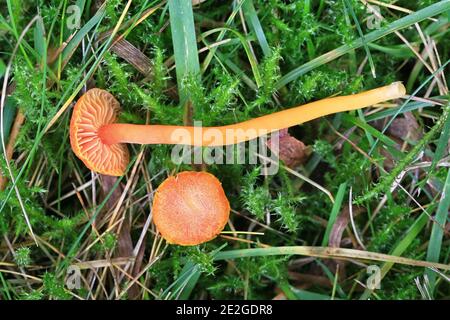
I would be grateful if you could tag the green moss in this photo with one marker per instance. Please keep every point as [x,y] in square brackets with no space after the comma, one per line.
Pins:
[22,256]
[287,210]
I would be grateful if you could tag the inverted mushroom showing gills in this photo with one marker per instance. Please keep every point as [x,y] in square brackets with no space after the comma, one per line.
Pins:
[100,142]
[92,111]
[190,208]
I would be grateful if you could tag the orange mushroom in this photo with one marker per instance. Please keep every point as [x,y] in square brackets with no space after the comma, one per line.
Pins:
[92,111]
[190,208]
[99,142]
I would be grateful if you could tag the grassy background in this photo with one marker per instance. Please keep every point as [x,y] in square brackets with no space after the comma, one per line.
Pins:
[386,169]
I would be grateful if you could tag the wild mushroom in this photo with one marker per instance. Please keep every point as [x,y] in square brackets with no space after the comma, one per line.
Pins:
[190,208]
[100,142]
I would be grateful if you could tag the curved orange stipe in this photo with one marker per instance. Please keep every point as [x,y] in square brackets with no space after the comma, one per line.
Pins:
[190,208]
[97,140]
[93,110]
[250,129]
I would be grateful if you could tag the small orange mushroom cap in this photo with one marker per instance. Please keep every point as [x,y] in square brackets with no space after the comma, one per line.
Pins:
[190,208]
[93,110]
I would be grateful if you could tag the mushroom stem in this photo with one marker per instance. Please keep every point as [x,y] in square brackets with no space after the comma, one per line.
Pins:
[247,130]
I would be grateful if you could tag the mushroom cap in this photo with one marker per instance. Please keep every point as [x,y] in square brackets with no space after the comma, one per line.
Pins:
[190,208]
[93,110]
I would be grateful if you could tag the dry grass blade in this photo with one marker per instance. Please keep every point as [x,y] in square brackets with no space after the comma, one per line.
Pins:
[2,105]
[74,94]
[394,7]
[94,264]
[327,252]
[132,55]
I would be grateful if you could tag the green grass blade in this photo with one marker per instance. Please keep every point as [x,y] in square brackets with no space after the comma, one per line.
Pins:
[16,32]
[287,290]
[334,212]
[88,26]
[255,25]
[398,51]
[9,112]
[184,44]
[183,286]
[230,19]
[410,106]
[39,37]
[437,232]
[333,279]
[368,128]
[193,273]
[238,71]
[401,247]
[307,295]
[349,7]
[251,58]
[2,68]
[441,146]
[5,287]
[385,184]
[396,25]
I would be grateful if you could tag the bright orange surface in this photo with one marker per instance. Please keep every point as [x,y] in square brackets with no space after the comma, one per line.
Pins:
[247,130]
[190,208]
[100,142]
[92,111]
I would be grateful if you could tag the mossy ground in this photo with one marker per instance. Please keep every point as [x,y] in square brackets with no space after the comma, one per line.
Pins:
[69,208]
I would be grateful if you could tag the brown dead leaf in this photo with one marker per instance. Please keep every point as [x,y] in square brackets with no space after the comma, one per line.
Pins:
[290,150]
[406,128]
[335,239]
[133,56]
[127,51]
[401,130]
[340,224]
